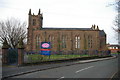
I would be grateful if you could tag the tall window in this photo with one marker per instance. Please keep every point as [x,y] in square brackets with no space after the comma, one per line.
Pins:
[77,42]
[51,39]
[34,22]
[89,41]
[37,41]
[64,39]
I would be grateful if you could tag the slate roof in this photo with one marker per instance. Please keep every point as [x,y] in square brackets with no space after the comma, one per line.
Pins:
[66,29]
[114,45]
[102,33]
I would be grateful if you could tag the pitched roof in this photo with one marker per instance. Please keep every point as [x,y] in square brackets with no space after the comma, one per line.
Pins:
[114,45]
[102,33]
[67,29]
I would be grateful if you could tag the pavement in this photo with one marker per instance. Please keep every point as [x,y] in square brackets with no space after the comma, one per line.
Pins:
[11,71]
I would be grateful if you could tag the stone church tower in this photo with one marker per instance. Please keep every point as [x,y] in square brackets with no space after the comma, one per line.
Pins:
[34,22]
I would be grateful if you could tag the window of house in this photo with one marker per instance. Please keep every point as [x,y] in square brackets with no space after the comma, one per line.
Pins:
[110,47]
[113,47]
[116,47]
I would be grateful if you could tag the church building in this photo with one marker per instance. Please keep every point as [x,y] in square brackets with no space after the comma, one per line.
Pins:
[64,40]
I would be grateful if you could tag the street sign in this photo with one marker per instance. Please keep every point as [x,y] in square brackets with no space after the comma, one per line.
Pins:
[45,48]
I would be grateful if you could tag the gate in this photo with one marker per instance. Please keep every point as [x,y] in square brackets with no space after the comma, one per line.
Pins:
[12,56]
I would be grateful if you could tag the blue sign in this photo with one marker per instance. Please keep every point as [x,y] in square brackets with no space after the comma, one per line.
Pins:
[45,48]
[45,52]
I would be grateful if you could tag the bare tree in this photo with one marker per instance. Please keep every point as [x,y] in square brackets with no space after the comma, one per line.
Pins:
[117,19]
[118,30]
[12,30]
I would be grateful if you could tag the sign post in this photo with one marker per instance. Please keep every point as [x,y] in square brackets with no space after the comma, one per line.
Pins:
[45,49]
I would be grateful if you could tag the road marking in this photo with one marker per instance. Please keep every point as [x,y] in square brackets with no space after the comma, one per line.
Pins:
[84,69]
[113,75]
[61,78]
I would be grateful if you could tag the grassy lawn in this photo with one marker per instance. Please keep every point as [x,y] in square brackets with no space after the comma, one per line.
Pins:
[115,53]
[38,58]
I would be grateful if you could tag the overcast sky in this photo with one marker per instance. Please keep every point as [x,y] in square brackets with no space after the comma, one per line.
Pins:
[65,13]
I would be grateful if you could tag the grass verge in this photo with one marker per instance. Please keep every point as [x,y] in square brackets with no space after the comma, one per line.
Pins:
[41,58]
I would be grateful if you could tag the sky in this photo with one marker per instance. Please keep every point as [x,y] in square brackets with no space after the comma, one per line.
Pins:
[65,13]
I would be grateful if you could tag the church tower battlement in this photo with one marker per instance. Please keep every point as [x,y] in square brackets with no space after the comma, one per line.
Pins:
[35,21]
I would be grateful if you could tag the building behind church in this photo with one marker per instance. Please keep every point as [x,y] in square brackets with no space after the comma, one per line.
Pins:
[64,40]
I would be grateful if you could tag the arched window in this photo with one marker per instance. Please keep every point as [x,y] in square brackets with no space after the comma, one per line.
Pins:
[89,41]
[51,40]
[77,41]
[64,39]
[37,41]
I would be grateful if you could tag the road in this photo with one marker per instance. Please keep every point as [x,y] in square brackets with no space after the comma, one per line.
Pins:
[99,69]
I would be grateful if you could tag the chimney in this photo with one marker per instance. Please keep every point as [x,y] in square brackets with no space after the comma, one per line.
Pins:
[97,28]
